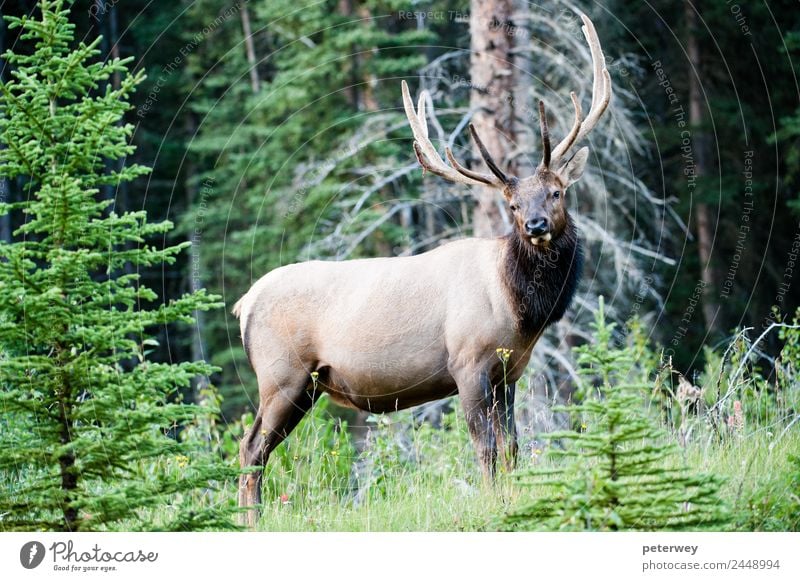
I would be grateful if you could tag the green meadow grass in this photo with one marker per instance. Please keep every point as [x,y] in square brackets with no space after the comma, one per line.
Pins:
[430,481]
[435,484]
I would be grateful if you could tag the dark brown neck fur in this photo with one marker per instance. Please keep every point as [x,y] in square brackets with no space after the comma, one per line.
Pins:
[542,280]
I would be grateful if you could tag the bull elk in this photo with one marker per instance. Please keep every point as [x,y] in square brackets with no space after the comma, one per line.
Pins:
[383,334]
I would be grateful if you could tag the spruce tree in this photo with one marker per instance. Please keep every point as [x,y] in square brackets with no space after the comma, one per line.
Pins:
[616,470]
[89,423]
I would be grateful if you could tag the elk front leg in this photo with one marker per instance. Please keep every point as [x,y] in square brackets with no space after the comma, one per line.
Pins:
[475,392]
[505,430]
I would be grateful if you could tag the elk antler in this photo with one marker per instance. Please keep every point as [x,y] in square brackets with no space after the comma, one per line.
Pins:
[545,135]
[601,95]
[430,159]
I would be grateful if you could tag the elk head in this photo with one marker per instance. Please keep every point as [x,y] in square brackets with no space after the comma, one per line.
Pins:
[537,202]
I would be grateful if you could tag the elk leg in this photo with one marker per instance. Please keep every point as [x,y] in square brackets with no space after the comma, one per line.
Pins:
[278,414]
[475,392]
[505,430]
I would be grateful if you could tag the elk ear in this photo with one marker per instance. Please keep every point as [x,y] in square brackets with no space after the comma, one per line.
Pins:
[572,171]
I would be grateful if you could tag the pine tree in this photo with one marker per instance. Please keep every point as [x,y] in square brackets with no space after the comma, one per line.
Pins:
[89,424]
[617,470]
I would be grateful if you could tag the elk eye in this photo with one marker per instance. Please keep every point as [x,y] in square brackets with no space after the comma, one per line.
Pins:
[556,194]
[514,207]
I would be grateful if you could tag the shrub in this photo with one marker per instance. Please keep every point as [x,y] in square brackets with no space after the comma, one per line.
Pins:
[616,470]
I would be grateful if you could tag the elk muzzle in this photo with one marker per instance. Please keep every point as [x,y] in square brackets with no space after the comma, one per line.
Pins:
[537,226]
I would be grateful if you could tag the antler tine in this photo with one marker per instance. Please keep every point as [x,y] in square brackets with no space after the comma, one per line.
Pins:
[419,127]
[594,115]
[572,136]
[422,114]
[487,157]
[460,168]
[598,62]
[601,94]
[545,136]
[426,153]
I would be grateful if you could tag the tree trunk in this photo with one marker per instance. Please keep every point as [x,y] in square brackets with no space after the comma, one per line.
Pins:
[196,198]
[255,81]
[66,461]
[368,101]
[350,66]
[525,125]
[703,218]
[491,98]
[360,92]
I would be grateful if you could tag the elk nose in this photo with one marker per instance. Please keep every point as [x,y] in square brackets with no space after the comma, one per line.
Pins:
[537,226]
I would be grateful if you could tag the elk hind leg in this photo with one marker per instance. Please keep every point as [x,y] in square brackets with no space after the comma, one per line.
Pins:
[278,414]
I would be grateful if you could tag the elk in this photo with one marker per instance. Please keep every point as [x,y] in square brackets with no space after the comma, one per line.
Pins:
[383,334]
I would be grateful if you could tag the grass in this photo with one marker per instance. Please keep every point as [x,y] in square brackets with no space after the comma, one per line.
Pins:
[431,482]
[413,504]
[762,484]
[410,479]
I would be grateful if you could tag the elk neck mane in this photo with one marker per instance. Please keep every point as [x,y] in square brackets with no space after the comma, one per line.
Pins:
[541,281]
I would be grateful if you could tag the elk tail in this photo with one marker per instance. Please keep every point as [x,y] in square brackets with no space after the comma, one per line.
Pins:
[237,308]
